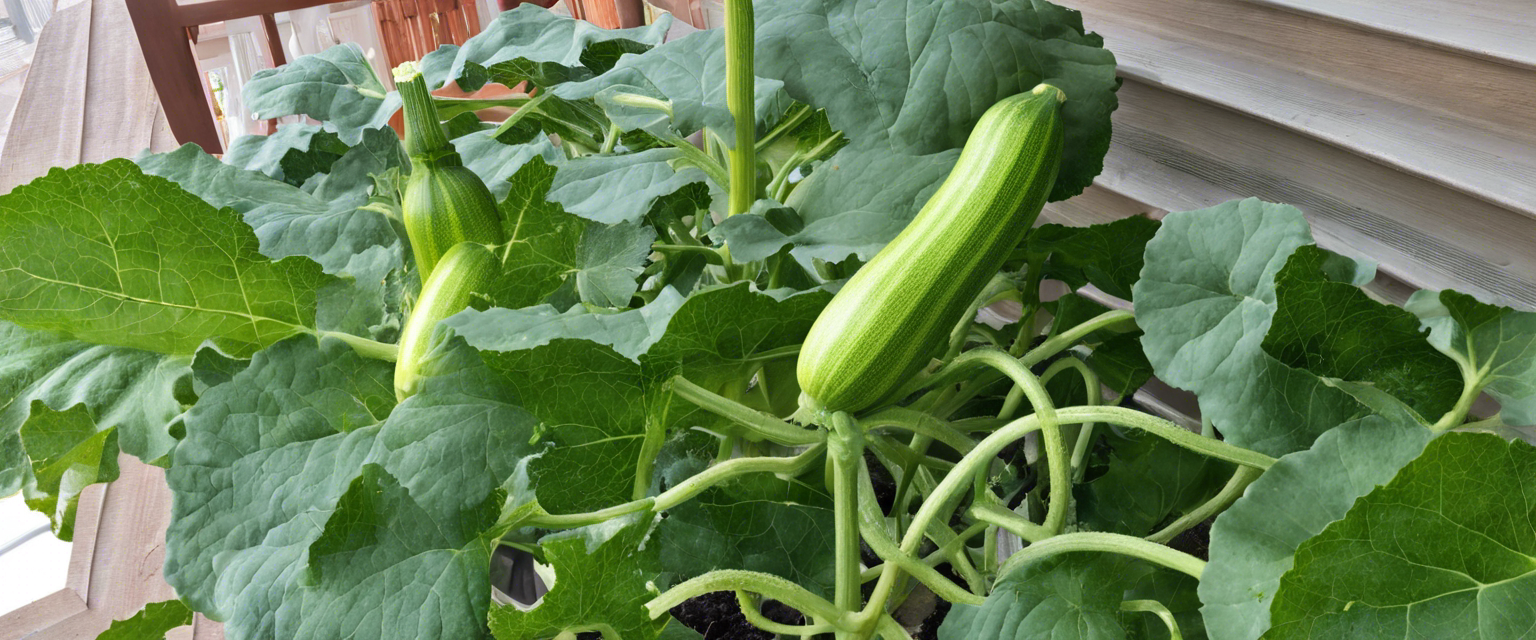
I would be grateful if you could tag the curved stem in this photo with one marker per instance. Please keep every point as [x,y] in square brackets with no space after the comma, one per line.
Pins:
[762,584]
[757,422]
[1171,432]
[1471,389]
[872,525]
[610,140]
[798,114]
[1157,609]
[1095,397]
[1106,543]
[740,100]
[754,615]
[684,491]
[529,107]
[1229,493]
[1061,341]
[363,346]
[998,516]
[695,156]
[1050,431]
[919,423]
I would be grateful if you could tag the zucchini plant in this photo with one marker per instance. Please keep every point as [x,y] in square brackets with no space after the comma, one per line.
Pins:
[743,334]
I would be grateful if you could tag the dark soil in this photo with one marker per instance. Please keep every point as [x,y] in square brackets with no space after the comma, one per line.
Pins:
[1195,541]
[717,616]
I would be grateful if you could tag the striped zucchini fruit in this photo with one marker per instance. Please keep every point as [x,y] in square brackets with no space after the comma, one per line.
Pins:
[897,312]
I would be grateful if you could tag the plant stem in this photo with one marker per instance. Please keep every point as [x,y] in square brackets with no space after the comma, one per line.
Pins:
[1171,432]
[1471,389]
[1157,609]
[696,157]
[611,140]
[1031,303]
[798,114]
[754,615]
[1061,341]
[1229,493]
[684,491]
[763,584]
[845,455]
[450,107]
[711,254]
[363,346]
[739,99]
[757,422]
[1009,521]
[873,527]
[1106,543]
[919,423]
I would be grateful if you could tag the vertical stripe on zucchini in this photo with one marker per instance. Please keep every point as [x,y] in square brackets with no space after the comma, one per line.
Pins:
[897,312]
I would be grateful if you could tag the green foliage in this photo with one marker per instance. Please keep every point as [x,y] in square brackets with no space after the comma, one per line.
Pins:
[619,399]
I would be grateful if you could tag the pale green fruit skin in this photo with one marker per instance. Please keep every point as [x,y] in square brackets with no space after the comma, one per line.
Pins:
[466,269]
[897,312]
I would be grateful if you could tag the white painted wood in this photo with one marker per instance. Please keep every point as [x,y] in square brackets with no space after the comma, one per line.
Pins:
[1495,29]
[1497,166]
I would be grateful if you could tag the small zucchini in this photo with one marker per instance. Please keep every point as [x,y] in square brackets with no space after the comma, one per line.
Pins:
[466,269]
[445,203]
[897,312]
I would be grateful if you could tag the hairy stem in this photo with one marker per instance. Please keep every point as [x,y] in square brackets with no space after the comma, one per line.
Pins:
[763,584]
[739,99]
[749,609]
[363,346]
[756,422]
[1229,493]
[919,423]
[1157,609]
[845,456]
[1106,543]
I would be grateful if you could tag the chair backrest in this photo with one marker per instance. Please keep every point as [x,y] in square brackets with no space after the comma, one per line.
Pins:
[411,29]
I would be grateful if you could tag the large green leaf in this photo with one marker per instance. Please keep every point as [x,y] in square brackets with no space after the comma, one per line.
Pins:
[496,162]
[68,454]
[536,45]
[764,523]
[332,225]
[600,387]
[1108,256]
[614,189]
[1149,481]
[1253,542]
[309,506]
[1444,550]
[553,256]
[151,623]
[336,86]
[923,72]
[1333,329]
[292,154]
[1206,300]
[602,576]
[134,392]
[1497,343]
[689,75]
[1073,596]
[852,204]
[110,255]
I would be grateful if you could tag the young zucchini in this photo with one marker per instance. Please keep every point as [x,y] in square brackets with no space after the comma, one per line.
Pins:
[466,269]
[897,312]
[445,203]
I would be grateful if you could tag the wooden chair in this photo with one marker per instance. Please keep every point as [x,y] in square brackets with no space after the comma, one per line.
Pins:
[167,31]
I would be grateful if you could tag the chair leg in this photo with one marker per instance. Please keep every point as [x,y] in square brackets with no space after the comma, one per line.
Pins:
[173,68]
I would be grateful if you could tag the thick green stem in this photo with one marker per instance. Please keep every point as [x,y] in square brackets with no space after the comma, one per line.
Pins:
[998,516]
[696,157]
[424,135]
[872,525]
[363,346]
[763,584]
[1229,493]
[1106,543]
[798,114]
[750,610]
[1157,609]
[739,99]
[1472,388]
[845,455]
[1064,340]
[756,422]
[919,423]
[450,107]
[685,490]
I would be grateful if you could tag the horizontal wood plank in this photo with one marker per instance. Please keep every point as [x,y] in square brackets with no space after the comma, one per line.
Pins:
[1499,30]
